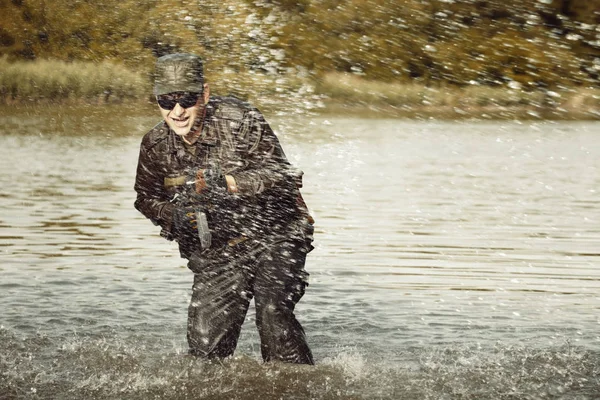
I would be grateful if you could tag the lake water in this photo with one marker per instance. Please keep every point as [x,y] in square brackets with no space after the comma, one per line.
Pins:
[452,260]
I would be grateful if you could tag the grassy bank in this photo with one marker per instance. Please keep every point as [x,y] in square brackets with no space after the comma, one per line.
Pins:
[55,81]
[76,82]
[349,93]
[50,81]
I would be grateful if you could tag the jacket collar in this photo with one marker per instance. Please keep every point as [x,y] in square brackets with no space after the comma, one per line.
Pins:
[209,134]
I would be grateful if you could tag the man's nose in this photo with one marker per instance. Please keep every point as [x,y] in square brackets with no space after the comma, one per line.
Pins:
[178,110]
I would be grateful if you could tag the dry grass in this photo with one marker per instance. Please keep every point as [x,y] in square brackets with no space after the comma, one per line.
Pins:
[348,90]
[58,80]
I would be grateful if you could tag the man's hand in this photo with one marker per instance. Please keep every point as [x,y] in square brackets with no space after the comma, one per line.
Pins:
[213,180]
[184,226]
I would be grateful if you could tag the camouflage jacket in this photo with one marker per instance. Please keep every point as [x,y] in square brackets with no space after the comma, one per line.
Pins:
[236,136]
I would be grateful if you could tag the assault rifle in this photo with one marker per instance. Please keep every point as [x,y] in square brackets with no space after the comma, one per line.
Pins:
[202,204]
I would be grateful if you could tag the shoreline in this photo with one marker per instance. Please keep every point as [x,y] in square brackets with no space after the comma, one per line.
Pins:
[335,107]
[450,113]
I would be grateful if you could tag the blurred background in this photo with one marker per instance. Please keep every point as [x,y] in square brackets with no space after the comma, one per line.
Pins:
[440,58]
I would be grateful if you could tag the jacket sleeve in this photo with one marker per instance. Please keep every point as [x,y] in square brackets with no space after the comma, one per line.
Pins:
[152,199]
[267,166]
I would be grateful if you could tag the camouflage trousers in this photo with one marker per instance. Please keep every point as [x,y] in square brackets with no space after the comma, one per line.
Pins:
[225,282]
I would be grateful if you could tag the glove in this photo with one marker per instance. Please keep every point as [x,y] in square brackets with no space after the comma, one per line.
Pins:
[185,228]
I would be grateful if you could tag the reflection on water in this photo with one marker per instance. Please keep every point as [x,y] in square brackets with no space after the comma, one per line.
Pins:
[452,259]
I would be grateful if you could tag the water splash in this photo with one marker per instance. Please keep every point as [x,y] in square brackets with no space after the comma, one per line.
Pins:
[39,367]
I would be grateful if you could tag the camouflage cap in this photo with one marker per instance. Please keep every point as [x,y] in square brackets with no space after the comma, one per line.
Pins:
[180,72]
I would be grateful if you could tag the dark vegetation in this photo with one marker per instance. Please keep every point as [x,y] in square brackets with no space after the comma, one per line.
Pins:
[274,47]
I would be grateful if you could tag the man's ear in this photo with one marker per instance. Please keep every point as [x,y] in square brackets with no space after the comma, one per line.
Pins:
[206,93]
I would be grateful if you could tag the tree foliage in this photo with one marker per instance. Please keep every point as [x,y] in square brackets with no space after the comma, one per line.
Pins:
[531,43]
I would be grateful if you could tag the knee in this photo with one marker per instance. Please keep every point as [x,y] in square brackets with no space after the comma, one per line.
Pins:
[273,314]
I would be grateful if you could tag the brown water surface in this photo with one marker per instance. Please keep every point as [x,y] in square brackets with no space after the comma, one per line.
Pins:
[451,259]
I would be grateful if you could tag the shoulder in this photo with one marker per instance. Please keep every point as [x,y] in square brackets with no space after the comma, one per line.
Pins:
[154,136]
[232,108]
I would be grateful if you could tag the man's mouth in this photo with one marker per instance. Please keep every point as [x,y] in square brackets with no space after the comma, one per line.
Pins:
[180,122]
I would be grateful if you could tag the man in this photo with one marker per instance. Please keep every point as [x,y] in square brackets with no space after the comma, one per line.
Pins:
[214,177]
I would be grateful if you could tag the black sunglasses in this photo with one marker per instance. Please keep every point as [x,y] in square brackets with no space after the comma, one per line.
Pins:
[185,100]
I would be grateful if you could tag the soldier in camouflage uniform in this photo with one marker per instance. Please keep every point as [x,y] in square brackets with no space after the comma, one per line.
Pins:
[213,176]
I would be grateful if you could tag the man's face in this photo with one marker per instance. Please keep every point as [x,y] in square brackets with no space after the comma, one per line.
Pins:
[182,111]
